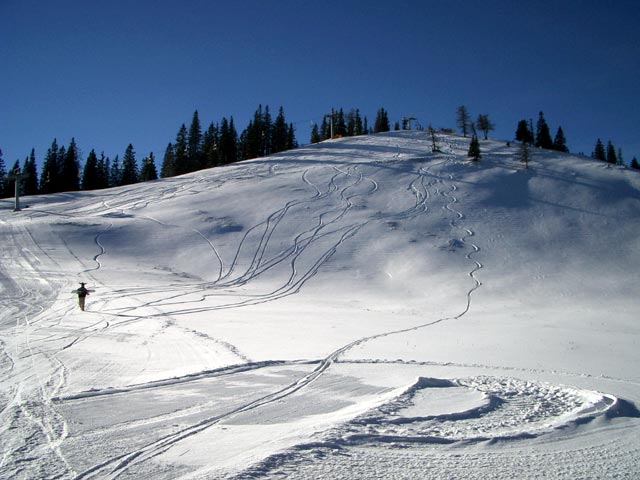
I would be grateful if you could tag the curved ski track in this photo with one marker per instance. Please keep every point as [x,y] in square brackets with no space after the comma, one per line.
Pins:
[114,467]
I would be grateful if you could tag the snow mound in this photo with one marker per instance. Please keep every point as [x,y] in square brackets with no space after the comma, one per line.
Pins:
[476,409]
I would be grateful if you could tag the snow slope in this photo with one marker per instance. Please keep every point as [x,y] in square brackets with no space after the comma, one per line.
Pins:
[360,308]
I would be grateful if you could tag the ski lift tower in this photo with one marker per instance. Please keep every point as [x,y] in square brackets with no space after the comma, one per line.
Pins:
[407,121]
[331,116]
[17,183]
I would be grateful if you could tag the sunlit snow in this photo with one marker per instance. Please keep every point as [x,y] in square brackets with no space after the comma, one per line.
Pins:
[359,308]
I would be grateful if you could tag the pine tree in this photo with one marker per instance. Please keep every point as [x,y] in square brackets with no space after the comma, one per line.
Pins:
[70,169]
[359,128]
[382,122]
[103,172]
[168,168]
[90,176]
[560,143]
[12,175]
[210,146]
[474,149]
[523,134]
[599,152]
[130,173]
[543,136]
[50,169]
[484,124]
[228,142]
[462,119]
[3,176]
[256,140]
[620,159]
[30,175]
[148,171]
[315,134]
[634,164]
[354,123]
[181,151]
[611,154]
[115,173]
[325,129]
[291,138]
[265,134]
[194,145]
[279,133]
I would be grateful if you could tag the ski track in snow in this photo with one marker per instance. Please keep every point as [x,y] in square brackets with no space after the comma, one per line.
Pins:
[529,410]
[122,463]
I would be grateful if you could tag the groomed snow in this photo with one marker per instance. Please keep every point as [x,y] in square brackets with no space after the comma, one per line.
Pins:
[359,308]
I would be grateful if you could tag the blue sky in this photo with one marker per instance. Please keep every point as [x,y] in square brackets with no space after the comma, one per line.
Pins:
[119,72]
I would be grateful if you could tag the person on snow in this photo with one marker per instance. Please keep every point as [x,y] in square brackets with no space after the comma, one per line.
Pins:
[82,294]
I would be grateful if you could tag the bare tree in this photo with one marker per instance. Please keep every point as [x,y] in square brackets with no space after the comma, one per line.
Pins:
[462,119]
[484,124]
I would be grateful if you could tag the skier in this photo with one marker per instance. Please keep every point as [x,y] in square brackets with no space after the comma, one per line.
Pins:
[82,294]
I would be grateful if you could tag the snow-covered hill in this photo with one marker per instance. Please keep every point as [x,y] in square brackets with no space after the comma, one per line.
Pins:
[360,308]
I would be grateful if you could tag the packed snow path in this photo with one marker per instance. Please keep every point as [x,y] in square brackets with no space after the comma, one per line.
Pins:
[306,314]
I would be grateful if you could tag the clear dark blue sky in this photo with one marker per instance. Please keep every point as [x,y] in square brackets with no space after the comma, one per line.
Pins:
[115,72]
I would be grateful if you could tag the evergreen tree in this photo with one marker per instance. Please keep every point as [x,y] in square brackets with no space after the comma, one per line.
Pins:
[279,133]
[325,130]
[463,119]
[148,171]
[168,168]
[10,182]
[474,149]
[396,126]
[634,164]
[130,173]
[560,143]
[181,151]
[382,122]
[70,169]
[365,128]
[210,146]
[3,176]
[194,145]
[90,175]
[227,151]
[30,175]
[291,138]
[354,123]
[359,127]
[523,134]
[256,139]
[543,136]
[599,152]
[102,171]
[611,154]
[484,124]
[620,160]
[267,127]
[50,169]
[315,134]
[115,173]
